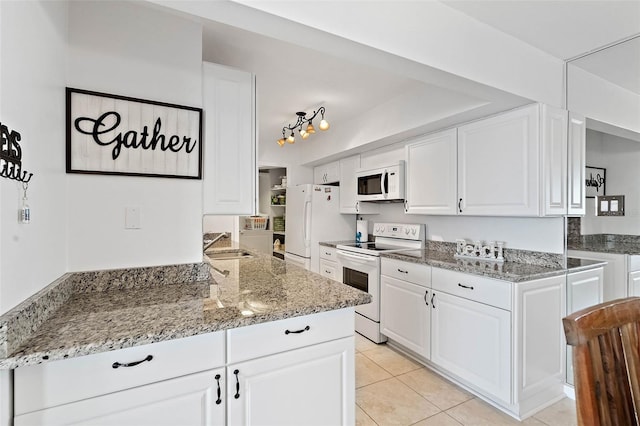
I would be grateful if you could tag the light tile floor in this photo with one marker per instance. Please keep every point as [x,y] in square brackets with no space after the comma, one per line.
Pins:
[391,389]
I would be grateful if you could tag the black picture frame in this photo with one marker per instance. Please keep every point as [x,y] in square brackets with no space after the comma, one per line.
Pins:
[88,113]
[595,181]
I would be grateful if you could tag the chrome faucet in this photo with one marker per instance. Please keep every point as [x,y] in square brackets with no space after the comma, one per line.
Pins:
[209,243]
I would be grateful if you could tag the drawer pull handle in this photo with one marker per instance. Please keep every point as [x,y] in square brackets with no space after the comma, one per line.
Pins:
[218,401]
[433,295]
[403,271]
[307,328]
[131,364]
[237,395]
[470,287]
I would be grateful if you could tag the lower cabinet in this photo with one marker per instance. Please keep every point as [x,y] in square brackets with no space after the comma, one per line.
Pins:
[504,340]
[634,283]
[309,386]
[188,400]
[296,371]
[405,315]
[473,341]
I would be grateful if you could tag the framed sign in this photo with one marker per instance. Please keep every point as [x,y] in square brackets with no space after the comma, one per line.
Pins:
[118,135]
[595,181]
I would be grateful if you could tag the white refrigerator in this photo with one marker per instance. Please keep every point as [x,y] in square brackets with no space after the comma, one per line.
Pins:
[313,215]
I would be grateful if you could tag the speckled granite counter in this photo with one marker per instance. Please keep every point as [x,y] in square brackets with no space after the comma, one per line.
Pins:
[101,317]
[508,271]
[615,246]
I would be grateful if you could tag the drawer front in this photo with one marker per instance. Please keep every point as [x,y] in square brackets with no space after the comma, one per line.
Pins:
[278,336]
[480,289]
[634,263]
[60,382]
[407,271]
[329,269]
[328,253]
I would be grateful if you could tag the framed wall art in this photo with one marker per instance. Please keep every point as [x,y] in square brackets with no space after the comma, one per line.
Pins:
[119,135]
[595,181]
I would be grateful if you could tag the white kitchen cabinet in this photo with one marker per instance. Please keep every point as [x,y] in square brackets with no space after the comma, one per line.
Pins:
[349,189]
[431,174]
[405,314]
[473,341]
[328,264]
[229,176]
[162,383]
[554,160]
[584,289]
[498,165]
[187,400]
[314,385]
[634,283]
[615,272]
[492,336]
[326,173]
[576,165]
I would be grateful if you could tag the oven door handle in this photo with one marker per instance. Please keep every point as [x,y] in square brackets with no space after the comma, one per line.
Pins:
[357,257]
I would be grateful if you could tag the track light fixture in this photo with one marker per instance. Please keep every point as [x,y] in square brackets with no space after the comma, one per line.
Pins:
[304,126]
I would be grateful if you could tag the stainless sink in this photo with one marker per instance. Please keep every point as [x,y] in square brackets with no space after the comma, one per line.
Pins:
[229,255]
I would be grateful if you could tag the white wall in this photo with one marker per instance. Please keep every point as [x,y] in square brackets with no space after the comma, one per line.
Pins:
[128,49]
[620,157]
[599,99]
[32,103]
[33,47]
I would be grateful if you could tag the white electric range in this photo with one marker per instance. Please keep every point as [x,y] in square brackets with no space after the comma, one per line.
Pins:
[359,265]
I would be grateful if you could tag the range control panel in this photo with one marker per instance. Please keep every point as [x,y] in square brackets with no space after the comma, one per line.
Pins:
[407,231]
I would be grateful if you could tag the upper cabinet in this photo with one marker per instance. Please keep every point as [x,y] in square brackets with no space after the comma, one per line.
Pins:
[229,141]
[431,174]
[498,165]
[327,173]
[349,189]
[525,162]
[576,164]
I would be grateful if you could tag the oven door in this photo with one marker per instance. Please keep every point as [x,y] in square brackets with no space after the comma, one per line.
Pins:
[362,271]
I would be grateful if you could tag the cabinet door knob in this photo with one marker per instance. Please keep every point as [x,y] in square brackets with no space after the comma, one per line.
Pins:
[237,395]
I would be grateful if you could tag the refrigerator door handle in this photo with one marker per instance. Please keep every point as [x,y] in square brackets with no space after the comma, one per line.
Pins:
[305,223]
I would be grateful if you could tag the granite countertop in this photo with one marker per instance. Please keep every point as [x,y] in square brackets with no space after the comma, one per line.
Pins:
[508,271]
[245,291]
[613,247]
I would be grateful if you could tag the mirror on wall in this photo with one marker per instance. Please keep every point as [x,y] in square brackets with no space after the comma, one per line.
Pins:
[604,86]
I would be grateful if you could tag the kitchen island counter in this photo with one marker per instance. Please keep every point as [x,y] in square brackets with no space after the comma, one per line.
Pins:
[108,310]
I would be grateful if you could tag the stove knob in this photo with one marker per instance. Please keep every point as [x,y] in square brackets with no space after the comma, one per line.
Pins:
[413,231]
[406,231]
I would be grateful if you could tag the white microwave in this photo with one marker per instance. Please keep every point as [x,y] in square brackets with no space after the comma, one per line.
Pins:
[381,184]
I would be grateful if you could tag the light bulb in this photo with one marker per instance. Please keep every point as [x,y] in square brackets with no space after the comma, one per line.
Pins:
[304,134]
[281,141]
[324,124]
[291,138]
[310,128]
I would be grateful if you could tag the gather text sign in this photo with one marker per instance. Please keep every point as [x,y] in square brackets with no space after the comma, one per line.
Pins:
[112,134]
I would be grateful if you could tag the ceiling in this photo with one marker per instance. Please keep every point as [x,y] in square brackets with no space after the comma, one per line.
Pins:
[290,74]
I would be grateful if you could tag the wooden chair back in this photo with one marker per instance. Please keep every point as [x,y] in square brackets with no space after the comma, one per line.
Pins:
[606,362]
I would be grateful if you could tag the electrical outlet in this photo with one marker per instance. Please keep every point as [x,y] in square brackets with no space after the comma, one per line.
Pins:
[132,218]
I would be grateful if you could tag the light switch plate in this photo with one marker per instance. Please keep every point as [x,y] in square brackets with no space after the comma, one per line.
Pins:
[132,218]
[610,205]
